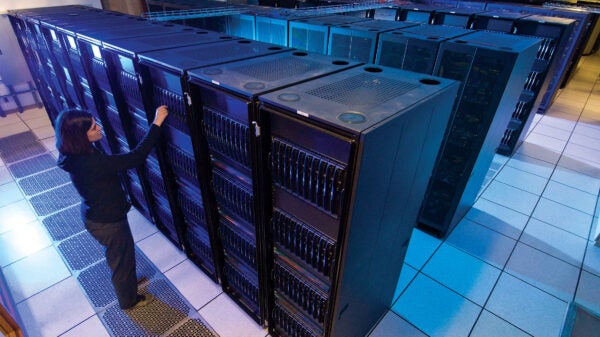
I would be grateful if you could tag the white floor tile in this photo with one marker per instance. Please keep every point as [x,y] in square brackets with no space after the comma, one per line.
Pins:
[551,131]
[22,241]
[161,251]
[539,152]
[511,197]
[49,143]
[550,143]
[141,228]
[481,242]
[564,217]
[12,129]
[193,284]
[543,271]
[591,262]
[5,176]
[498,218]
[435,309]
[588,292]
[44,132]
[392,325]
[527,307]
[531,165]
[55,310]
[33,114]
[10,119]
[554,241]
[35,273]
[581,166]
[406,276]
[490,325]
[576,180]
[10,193]
[571,197]
[522,180]
[91,327]
[559,120]
[583,153]
[587,129]
[229,320]
[16,214]
[420,248]
[463,273]
[38,122]
[586,141]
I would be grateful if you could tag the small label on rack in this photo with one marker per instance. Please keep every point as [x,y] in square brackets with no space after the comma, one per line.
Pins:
[302,113]
[215,82]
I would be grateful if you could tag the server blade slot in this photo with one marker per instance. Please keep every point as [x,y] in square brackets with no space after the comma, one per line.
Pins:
[183,163]
[177,111]
[239,241]
[226,136]
[232,195]
[129,86]
[288,321]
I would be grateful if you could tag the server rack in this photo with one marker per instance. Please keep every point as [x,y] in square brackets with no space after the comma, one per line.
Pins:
[418,12]
[496,21]
[456,17]
[164,81]
[349,154]
[358,41]
[414,48]
[493,68]
[385,13]
[273,26]
[226,104]
[179,206]
[554,33]
[312,34]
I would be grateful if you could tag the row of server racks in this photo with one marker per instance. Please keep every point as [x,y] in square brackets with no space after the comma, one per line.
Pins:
[292,178]
[415,38]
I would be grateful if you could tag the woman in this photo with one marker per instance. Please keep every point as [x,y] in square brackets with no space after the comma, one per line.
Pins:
[104,204]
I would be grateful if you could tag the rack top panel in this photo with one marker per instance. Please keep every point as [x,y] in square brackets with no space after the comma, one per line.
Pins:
[501,15]
[496,41]
[128,30]
[50,10]
[460,11]
[181,59]
[548,19]
[255,76]
[188,36]
[358,98]
[423,7]
[384,24]
[434,32]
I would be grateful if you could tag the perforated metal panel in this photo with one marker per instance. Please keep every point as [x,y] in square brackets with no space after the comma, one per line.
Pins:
[55,200]
[154,319]
[10,143]
[43,181]
[364,90]
[32,165]
[25,151]
[64,224]
[278,68]
[192,328]
[81,251]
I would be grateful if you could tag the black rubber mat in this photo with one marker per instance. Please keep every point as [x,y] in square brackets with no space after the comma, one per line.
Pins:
[65,223]
[155,319]
[192,328]
[11,143]
[54,200]
[81,251]
[43,181]
[24,151]
[96,280]
[32,165]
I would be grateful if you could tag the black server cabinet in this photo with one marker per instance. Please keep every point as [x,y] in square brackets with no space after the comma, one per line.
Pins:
[577,39]
[456,17]
[496,21]
[273,26]
[385,13]
[96,72]
[186,208]
[164,81]
[226,104]
[493,68]
[421,13]
[414,48]
[312,34]
[358,41]
[554,33]
[350,155]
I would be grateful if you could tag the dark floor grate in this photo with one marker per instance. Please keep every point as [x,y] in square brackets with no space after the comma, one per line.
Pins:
[44,181]
[55,200]
[155,319]
[192,328]
[32,165]
[25,151]
[65,223]
[81,251]
[11,143]
[96,280]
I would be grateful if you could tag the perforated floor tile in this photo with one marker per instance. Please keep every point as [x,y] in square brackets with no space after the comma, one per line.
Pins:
[32,165]
[54,200]
[81,251]
[43,181]
[65,223]
[25,151]
[96,280]
[10,143]
[155,319]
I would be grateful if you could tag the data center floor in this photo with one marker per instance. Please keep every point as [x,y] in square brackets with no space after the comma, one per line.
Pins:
[512,267]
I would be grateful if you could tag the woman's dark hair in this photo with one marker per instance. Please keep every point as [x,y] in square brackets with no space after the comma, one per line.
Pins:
[71,132]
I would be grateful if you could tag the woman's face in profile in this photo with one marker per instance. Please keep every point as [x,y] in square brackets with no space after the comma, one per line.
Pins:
[94,134]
